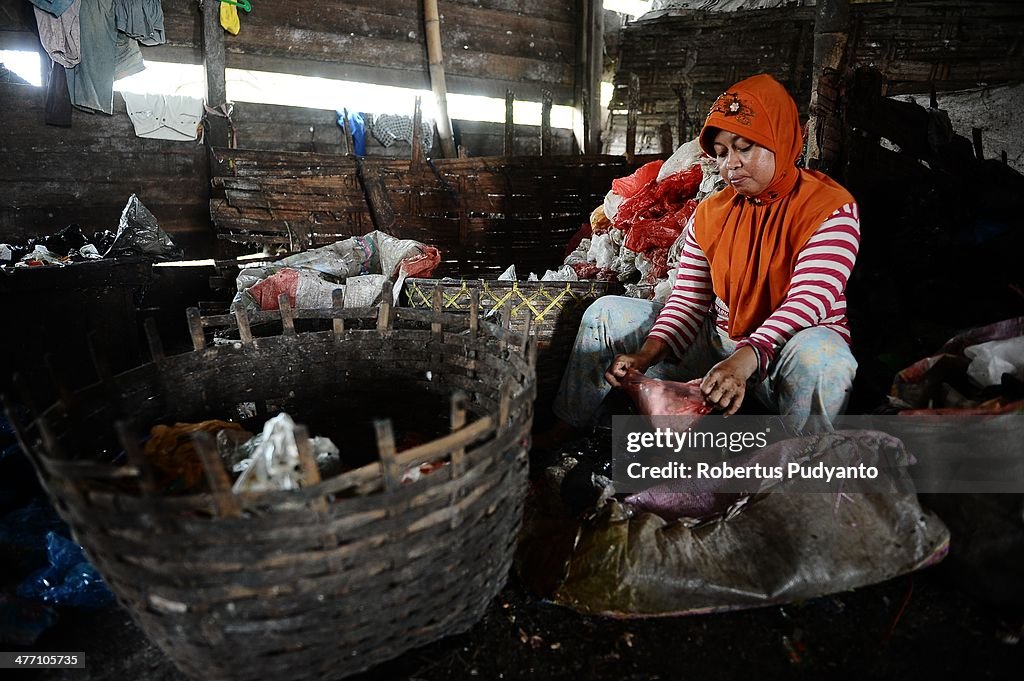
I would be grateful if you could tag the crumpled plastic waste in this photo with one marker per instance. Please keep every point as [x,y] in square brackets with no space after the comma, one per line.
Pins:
[563,273]
[41,255]
[67,241]
[70,580]
[991,360]
[23,534]
[138,233]
[414,473]
[275,464]
[941,382]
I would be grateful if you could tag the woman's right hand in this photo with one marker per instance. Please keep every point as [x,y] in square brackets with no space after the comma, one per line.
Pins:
[652,352]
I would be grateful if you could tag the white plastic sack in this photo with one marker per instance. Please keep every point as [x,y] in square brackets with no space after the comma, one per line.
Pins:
[682,159]
[602,251]
[664,288]
[989,361]
[563,273]
[275,463]
[364,291]
[342,259]
[612,201]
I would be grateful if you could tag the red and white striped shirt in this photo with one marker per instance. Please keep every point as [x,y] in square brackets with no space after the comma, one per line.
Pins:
[816,295]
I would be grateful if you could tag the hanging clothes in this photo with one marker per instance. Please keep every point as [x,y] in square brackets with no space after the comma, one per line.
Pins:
[58,100]
[61,35]
[54,7]
[229,18]
[106,55]
[389,128]
[141,19]
[165,117]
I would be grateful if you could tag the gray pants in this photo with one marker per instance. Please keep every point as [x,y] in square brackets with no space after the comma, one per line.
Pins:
[811,375]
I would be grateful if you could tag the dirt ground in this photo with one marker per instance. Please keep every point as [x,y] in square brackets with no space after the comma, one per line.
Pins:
[917,626]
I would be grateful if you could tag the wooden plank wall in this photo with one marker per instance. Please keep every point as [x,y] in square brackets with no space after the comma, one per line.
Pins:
[953,44]
[489,45]
[292,128]
[50,177]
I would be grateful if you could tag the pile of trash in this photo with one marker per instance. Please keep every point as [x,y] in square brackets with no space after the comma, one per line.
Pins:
[359,266]
[266,461]
[633,236]
[980,371]
[138,233]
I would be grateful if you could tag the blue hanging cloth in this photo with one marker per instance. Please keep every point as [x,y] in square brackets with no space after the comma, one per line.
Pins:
[358,127]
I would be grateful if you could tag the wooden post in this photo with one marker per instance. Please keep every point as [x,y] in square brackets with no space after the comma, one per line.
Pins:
[216,82]
[831,22]
[588,75]
[510,123]
[545,123]
[631,116]
[979,148]
[417,134]
[683,123]
[665,132]
[432,19]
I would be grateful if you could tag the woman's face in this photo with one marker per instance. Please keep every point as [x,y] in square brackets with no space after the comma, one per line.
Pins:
[748,167]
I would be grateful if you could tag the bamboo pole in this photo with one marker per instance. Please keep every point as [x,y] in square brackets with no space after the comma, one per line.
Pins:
[432,19]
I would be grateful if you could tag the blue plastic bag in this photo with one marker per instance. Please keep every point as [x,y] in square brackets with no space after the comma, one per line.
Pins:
[70,580]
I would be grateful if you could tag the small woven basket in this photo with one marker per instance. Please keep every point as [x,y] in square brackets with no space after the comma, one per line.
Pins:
[345,572]
[552,308]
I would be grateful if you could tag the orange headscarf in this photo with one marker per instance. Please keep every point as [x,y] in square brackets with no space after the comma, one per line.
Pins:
[752,243]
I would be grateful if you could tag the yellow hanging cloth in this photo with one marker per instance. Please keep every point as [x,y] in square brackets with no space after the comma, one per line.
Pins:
[229,18]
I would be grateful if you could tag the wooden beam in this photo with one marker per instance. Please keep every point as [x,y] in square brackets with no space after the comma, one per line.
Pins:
[591,57]
[214,65]
[631,116]
[596,63]
[831,22]
[545,124]
[979,148]
[510,125]
[432,19]
[417,135]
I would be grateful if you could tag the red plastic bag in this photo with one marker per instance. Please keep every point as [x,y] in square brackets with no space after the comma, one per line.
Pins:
[629,186]
[658,199]
[422,265]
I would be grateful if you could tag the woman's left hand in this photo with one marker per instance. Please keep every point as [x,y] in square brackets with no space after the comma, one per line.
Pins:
[726,384]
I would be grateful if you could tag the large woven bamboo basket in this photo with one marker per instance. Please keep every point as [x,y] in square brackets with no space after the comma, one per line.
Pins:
[553,309]
[329,579]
